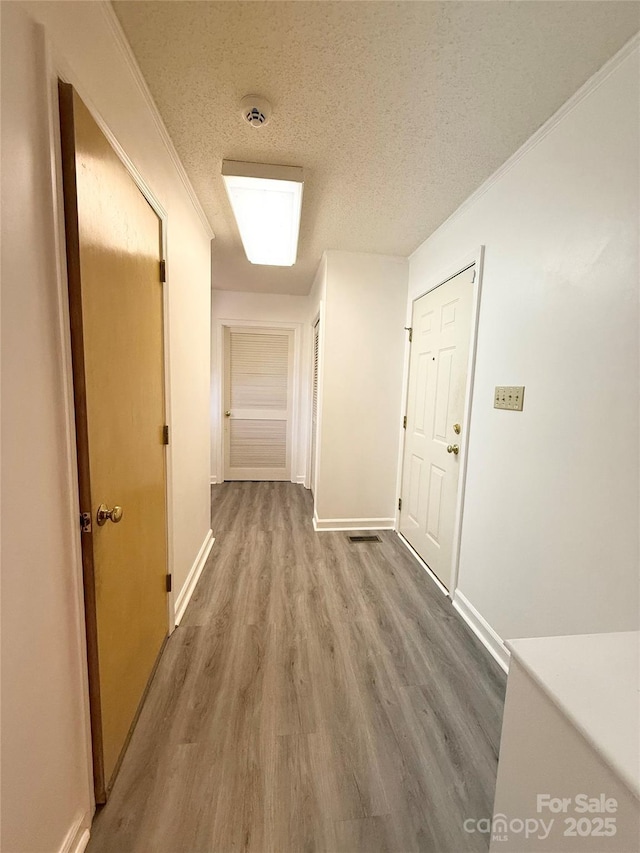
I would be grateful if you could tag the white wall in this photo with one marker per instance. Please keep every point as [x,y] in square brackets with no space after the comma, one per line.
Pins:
[362,344]
[264,308]
[318,292]
[550,530]
[46,785]
[91,51]
[361,299]
[316,308]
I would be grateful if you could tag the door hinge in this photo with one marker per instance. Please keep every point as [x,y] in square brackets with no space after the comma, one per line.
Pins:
[410,330]
[163,271]
[404,422]
[165,434]
[85,522]
[399,503]
[168,583]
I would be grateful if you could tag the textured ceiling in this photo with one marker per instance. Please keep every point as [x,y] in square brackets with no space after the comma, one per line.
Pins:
[396,111]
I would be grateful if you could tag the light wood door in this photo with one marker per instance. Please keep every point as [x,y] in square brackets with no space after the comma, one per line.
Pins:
[116,306]
[441,336]
[257,403]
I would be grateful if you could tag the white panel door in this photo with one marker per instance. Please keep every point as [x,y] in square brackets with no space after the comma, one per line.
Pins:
[257,403]
[435,409]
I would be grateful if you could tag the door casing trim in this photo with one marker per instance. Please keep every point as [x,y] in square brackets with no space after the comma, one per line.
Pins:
[311,466]
[475,259]
[217,396]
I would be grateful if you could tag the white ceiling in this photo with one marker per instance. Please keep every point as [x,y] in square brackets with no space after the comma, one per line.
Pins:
[396,111]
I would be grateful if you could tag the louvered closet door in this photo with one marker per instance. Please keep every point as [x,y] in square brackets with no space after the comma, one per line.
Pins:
[257,422]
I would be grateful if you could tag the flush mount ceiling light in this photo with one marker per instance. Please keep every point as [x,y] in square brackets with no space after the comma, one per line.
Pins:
[266,202]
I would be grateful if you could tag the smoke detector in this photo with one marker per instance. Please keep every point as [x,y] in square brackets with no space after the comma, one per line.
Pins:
[256,111]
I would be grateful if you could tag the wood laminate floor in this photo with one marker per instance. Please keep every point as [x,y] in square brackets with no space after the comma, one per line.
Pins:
[318,696]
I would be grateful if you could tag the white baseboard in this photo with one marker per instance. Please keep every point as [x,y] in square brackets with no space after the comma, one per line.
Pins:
[300,480]
[77,838]
[214,479]
[419,559]
[184,596]
[482,629]
[328,524]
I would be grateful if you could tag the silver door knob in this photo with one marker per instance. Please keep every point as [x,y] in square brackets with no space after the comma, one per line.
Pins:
[105,514]
[453,448]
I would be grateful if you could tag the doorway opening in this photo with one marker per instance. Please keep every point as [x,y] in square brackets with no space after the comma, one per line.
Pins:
[115,237]
[258,403]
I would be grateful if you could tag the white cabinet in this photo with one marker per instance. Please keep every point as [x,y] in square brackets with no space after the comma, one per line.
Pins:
[568,773]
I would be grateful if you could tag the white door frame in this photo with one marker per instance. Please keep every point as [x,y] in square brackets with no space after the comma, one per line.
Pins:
[442,277]
[311,467]
[217,397]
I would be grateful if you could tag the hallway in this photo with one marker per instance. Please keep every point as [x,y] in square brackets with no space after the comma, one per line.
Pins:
[318,695]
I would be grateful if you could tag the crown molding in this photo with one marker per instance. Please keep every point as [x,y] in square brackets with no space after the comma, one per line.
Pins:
[586,89]
[131,62]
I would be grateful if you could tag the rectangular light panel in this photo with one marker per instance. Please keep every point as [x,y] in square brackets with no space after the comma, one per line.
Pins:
[266,202]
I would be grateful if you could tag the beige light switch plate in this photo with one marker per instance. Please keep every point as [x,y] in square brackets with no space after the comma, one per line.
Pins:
[509,397]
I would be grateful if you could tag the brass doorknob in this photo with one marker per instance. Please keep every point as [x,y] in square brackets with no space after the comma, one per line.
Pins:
[227,414]
[456,429]
[453,448]
[105,514]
